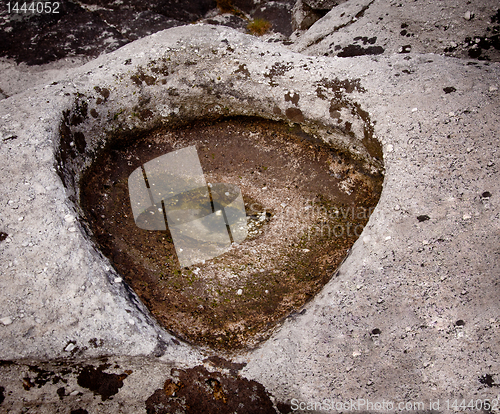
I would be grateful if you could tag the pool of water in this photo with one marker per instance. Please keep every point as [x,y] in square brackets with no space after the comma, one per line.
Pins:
[304,203]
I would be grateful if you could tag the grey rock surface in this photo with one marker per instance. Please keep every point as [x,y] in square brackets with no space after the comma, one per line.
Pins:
[323,4]
[306,13]
[47,245]
[303,17]
[374,27]
[412,314]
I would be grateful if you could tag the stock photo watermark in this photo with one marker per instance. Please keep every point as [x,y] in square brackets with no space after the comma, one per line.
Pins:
[383,405]
[318,221]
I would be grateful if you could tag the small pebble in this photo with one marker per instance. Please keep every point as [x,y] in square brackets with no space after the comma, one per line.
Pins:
[118,279]
[388,238]
[68,218]
[72,229]
[6,321]
[397,207]
[131,322]
[468,15]
[493,88]
[239,292]
[20,219]
[70,347]
[451,114]
[466,217]
[390,148]
[414,110]
[305,250]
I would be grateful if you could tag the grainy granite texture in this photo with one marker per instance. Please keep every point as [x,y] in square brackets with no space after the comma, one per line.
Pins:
[412,313]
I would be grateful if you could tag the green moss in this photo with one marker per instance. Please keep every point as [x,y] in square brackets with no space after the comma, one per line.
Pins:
[259,27]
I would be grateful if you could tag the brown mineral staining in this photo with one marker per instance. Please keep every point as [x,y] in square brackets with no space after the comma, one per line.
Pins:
[197,390]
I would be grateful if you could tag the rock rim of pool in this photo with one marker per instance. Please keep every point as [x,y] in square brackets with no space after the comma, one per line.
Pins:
[386,324]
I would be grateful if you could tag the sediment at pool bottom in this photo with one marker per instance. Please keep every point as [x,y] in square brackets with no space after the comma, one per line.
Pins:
[306,204]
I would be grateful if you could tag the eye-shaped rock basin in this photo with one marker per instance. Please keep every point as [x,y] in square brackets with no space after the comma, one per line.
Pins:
[305,204]
[306,161]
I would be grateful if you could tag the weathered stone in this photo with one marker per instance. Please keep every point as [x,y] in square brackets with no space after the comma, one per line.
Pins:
[279,14]
[303,17]
[401,27]
[323,4]
[77,29]
[398,296]
[307,12]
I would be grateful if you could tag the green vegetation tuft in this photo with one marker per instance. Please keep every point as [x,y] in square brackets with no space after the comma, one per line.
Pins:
[259,27]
